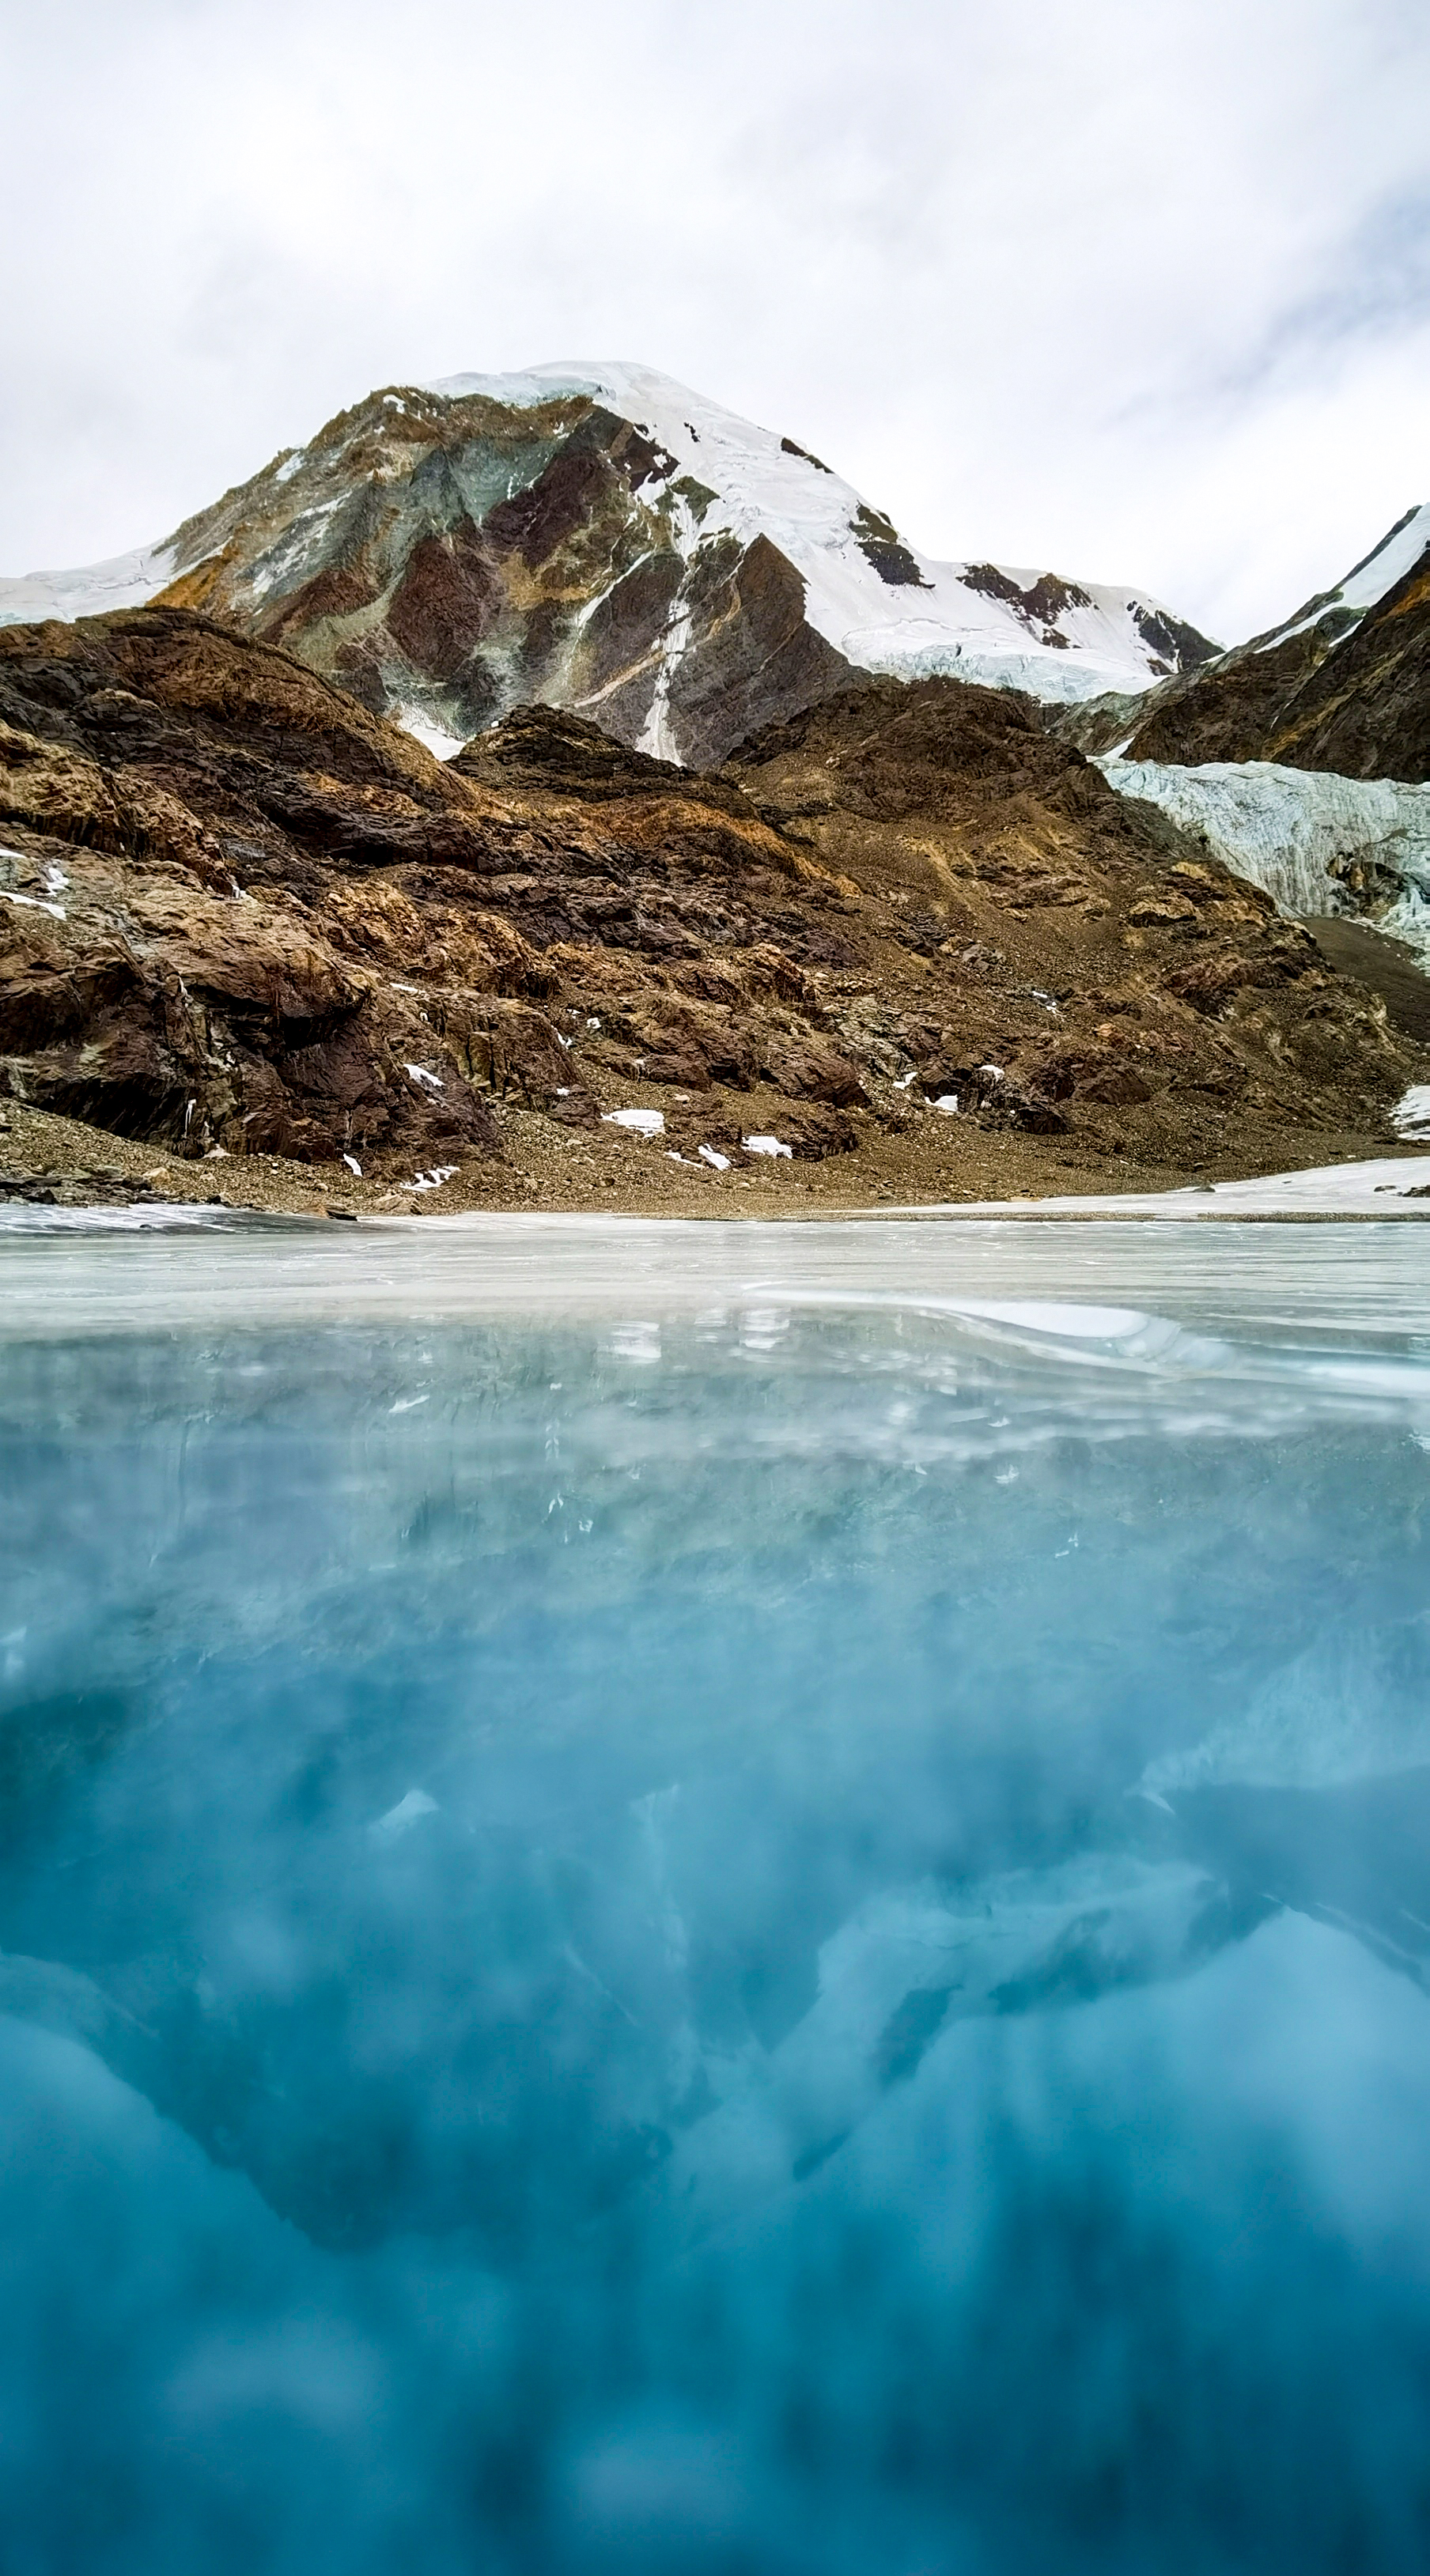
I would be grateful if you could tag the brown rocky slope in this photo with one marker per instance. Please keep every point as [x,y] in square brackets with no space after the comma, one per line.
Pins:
[247,923]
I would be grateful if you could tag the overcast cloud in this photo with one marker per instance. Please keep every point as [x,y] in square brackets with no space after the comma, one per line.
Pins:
[1138,289]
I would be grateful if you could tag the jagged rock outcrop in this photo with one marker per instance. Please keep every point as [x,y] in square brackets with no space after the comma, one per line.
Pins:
[240,914]
[607,541]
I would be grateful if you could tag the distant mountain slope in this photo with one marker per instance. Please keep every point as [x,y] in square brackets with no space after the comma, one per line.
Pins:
[1343,685]
[602,539]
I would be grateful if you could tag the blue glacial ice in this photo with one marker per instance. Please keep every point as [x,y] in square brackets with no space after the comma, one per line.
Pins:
[696,1900]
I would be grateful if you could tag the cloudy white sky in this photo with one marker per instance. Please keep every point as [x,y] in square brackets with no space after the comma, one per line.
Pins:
[1138,289]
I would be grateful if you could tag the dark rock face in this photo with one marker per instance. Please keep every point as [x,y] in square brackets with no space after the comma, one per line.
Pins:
[755,660]
[448,600]
[1230,710]
[1356,702]
[1366,711]
[239,913]
[883,547]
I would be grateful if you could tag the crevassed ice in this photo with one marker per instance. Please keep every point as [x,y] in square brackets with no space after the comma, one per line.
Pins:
[1294,832]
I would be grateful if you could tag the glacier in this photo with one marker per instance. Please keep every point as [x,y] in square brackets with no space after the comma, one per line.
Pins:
[1315,842]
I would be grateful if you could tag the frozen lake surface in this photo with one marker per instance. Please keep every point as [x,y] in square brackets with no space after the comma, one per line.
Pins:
[721,1898]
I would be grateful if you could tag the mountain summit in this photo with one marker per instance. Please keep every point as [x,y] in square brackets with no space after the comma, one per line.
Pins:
[606,541]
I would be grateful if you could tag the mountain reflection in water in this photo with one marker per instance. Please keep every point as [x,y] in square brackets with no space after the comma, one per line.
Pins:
[767,1939]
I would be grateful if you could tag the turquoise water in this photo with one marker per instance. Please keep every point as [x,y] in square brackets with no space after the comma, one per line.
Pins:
[746,1900]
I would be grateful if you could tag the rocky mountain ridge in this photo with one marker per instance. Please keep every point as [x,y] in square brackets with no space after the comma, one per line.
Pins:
[605,540]
[1343,685]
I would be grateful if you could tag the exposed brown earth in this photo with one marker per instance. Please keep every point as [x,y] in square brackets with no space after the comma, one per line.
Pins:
[1386,966]
[250,928]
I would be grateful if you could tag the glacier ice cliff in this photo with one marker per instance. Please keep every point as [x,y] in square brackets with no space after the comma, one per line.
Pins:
[1315,842]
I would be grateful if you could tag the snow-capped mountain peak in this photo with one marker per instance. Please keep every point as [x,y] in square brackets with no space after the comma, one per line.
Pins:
[916,617]
[604,538]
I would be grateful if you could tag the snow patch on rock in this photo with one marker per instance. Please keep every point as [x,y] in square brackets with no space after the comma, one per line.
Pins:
[641,1122]
[433,737]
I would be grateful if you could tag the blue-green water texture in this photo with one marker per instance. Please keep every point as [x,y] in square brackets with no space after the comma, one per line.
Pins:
[710,1905]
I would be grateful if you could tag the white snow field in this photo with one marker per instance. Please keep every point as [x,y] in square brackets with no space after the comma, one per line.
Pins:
[91,590]
[1369,1189]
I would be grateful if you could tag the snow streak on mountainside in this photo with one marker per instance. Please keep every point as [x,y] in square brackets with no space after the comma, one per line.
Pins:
[602,539]
[1338,612]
